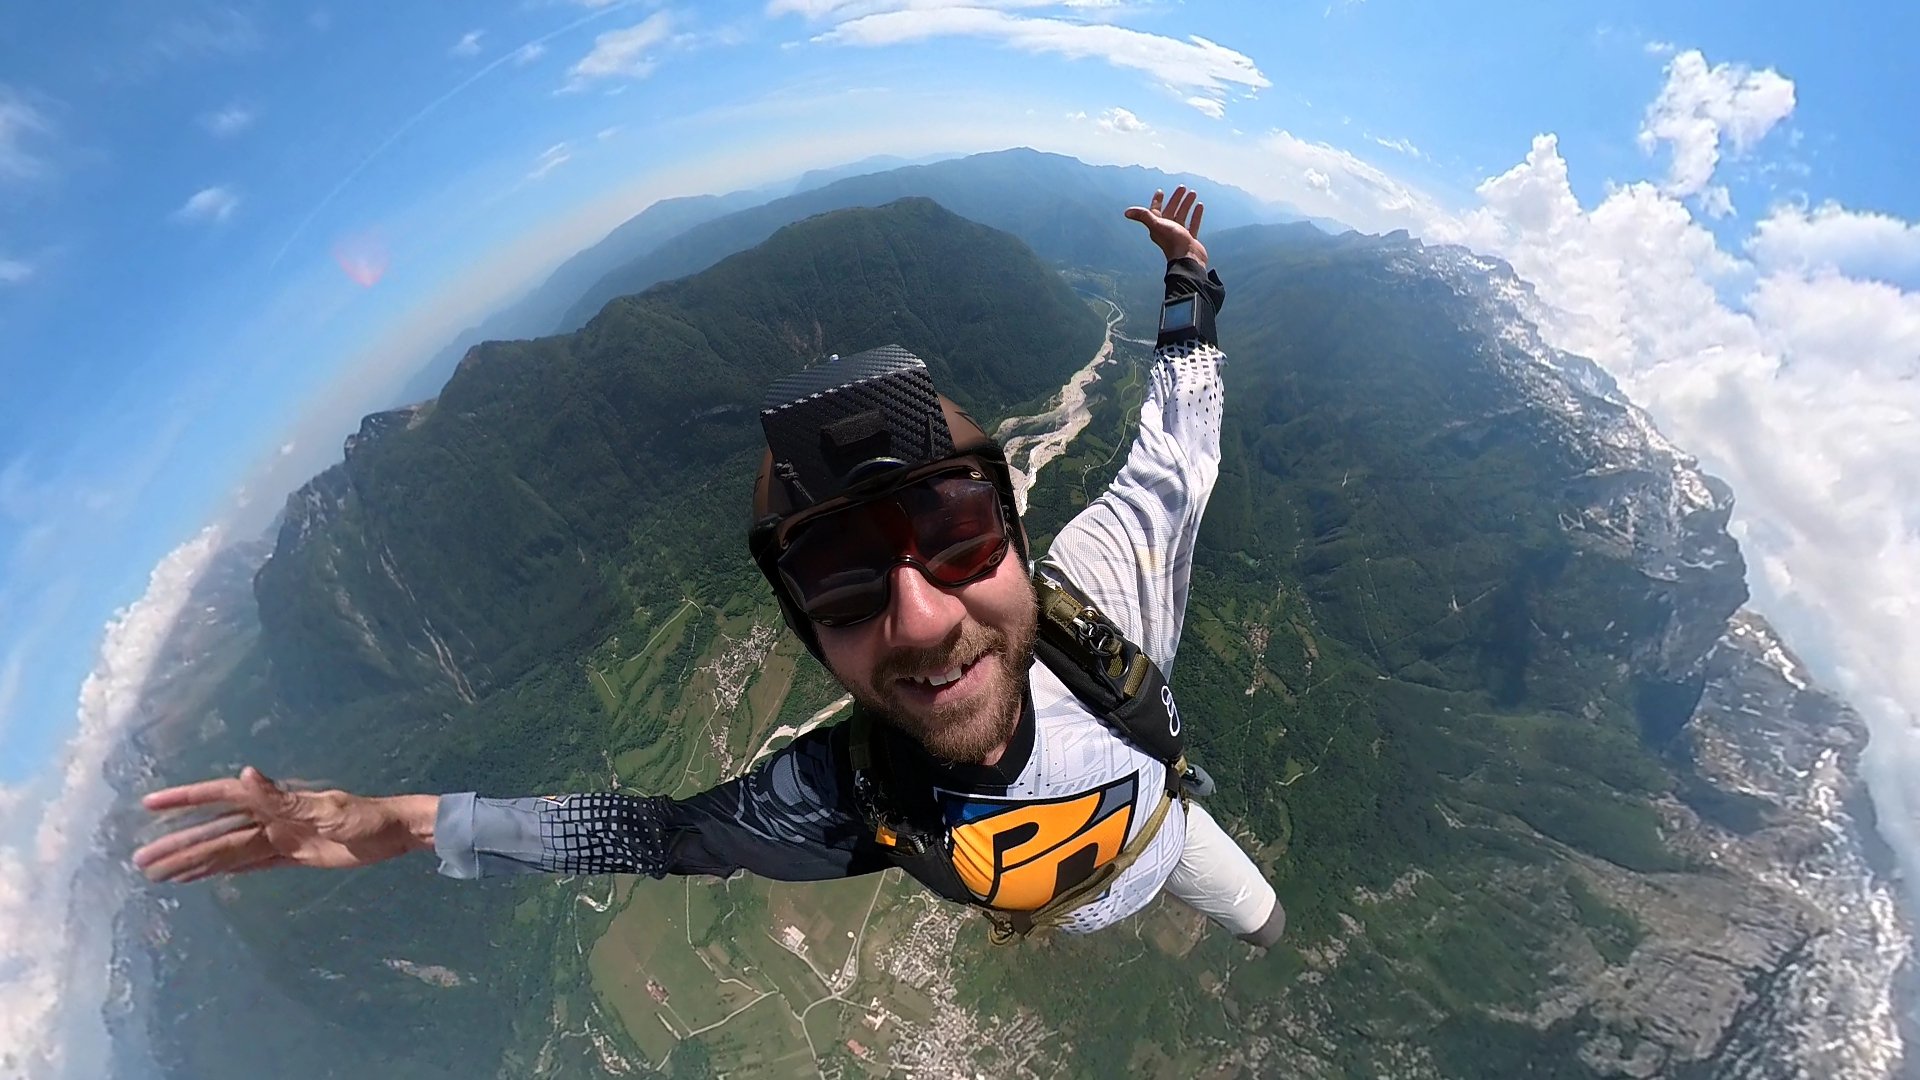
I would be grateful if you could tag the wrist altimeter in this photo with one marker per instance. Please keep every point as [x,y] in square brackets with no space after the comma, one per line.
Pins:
[1185,319]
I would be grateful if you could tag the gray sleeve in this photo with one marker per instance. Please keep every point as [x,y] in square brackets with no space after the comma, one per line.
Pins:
[790,819]
[563,834]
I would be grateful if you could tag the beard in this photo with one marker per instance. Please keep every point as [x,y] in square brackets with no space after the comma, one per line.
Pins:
[966,731]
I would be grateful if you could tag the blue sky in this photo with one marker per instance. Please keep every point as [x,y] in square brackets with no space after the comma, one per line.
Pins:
[228,229]
[177,180]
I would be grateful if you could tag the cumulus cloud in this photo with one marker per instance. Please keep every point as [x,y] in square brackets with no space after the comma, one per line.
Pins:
[1831,237]
[1122,122]
[622,54]
[53,970]
[1318,180]
[1198,71]
[1716,201]
[1797,383]
[468,45]
[213,204]
[528,53]
[1701,106]
[20,124]
[228,120]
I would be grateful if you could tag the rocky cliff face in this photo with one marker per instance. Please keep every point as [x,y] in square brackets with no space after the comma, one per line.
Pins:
[1778,958]
[1639,498]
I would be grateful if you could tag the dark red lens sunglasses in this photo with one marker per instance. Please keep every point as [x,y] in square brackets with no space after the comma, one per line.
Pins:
[838,567]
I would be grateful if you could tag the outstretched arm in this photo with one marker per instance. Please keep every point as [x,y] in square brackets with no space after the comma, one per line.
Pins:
[788,819]
[791,819]
[1132,548]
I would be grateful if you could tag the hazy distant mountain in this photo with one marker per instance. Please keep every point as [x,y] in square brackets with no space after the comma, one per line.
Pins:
[1060,205]
[814,178]
[535,314]
[1066,210]
[540,312]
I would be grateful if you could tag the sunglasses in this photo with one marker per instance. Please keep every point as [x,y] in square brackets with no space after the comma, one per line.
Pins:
[838,567]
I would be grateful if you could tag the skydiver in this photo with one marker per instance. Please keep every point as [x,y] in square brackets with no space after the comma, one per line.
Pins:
[1014,745]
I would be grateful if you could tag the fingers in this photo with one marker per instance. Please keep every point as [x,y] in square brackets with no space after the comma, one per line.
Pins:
[240,847]
[1193,226]
[181,839]
[204,793]
[1181,204]
[252,791]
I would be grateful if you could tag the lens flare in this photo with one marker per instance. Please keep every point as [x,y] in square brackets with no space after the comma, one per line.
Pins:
[363,258]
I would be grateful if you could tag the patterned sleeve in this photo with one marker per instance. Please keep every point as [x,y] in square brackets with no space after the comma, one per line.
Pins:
[1131,550]
[791,819]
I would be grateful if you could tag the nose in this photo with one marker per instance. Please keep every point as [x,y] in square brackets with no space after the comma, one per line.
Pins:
[921,614]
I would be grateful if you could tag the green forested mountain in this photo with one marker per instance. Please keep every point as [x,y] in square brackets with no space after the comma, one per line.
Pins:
[540,311]
[1454,610]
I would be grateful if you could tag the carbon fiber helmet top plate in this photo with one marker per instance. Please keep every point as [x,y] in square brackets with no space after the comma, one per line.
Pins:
[845,421]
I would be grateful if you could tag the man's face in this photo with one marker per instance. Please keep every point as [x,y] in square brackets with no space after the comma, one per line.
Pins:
[984,629]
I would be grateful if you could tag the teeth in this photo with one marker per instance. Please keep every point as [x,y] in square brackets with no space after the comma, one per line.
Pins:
[952,674]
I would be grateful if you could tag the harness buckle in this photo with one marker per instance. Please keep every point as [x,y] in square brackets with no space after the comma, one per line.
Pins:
[1097,634]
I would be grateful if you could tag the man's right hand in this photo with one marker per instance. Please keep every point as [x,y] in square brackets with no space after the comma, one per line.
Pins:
[263,825]
[1174,224]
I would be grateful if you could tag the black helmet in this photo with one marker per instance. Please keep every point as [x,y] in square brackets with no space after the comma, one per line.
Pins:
[855,428]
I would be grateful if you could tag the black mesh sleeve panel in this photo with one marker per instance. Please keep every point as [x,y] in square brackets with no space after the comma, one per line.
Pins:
[792,819]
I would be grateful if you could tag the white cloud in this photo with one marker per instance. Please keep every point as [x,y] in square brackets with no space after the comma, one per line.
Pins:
[1211,107]
[622,53]
[229,120]
[1700,106]
[1399,146]
[550,159]
[1194,68]
[1122,122]
[1831,237]
[1797,384]
[20,123]
[1717,202]
[1656,47]
[468,45]
[14,271]
[1356,191]
[54,970]
[215,204]
[528,53]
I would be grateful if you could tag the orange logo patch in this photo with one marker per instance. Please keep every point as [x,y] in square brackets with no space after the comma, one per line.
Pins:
[1017,854]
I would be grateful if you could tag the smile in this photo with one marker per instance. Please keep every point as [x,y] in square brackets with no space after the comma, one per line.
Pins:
[942,678]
